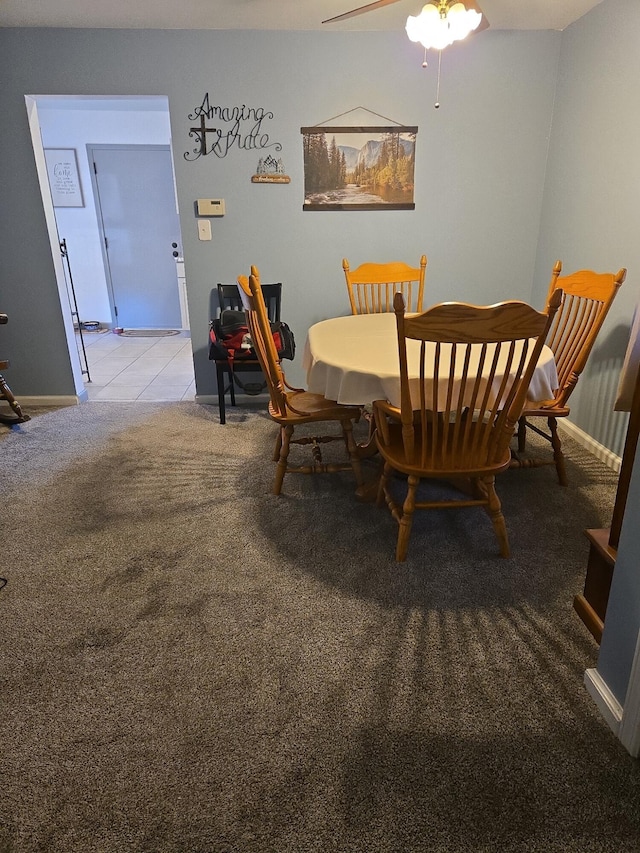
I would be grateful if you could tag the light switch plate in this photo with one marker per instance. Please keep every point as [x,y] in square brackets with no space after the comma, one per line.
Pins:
[204,229]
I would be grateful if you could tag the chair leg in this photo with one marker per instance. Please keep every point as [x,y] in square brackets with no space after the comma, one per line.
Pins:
[558,456]
[352,450]
[406,519]
[522,434]
[5,394]
[232,387]
[278,447]
[494,511]
[382,483]
[220,381]
[281,467]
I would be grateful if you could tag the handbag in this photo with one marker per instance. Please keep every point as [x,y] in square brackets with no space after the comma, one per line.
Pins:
[230,339]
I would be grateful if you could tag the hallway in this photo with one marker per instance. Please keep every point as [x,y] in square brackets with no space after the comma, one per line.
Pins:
[152,369]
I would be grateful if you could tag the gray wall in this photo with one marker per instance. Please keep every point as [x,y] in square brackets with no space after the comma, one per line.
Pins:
[479,170]
[591,202]
[590,219]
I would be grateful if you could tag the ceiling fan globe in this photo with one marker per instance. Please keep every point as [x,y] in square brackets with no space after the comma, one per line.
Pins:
[429,28]
[462,21]
[439,24]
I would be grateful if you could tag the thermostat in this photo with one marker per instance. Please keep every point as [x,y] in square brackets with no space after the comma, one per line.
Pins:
[210,207]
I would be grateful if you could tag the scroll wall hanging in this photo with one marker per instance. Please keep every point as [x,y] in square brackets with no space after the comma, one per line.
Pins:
[359,167]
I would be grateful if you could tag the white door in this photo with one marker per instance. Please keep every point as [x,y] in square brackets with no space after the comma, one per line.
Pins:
[137,208]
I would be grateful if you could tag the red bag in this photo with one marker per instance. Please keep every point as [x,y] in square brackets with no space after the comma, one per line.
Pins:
[229,338]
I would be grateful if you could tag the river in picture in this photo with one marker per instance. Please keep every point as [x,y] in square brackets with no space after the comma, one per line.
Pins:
[354,194]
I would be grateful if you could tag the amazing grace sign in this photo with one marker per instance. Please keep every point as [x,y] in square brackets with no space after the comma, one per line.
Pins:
[221,129]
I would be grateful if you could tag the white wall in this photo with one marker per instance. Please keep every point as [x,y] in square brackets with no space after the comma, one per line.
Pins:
[74,123]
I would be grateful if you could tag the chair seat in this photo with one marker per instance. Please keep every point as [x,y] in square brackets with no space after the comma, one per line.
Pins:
[244,365]
[305,406]
[239,363]
[452,458]
[549,411]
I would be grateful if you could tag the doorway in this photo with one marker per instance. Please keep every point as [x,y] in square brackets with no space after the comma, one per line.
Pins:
[111,123]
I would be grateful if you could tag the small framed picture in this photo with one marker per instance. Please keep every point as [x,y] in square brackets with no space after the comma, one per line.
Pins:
[64,181]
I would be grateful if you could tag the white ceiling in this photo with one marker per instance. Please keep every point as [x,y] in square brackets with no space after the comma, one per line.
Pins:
[271,14]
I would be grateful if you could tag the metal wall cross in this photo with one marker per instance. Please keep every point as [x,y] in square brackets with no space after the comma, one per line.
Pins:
[201,134]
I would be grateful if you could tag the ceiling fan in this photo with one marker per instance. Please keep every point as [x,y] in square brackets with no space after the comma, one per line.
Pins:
[361,10]
[439,24]
[442,6]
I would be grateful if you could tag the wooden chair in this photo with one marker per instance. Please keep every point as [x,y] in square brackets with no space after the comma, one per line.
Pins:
[479,363]
[227,374]
[586,302]
[371,286]
[18,416]
[293,407]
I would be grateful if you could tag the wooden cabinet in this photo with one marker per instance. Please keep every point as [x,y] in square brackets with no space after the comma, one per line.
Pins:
[591,606]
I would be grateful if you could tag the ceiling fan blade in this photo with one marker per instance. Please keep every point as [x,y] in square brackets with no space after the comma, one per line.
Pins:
[361,10]
[484,23]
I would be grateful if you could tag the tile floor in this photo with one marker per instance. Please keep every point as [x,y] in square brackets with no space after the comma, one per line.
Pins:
[139,368]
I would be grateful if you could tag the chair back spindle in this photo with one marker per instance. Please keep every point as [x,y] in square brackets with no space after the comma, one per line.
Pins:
[371,286]
[469,406]
[587,298]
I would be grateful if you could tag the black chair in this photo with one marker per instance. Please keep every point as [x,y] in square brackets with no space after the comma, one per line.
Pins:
[226,375]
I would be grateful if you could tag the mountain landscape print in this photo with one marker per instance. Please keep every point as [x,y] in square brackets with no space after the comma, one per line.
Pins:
[359,168]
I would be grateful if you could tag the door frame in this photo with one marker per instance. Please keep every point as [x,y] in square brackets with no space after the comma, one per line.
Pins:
[81,395]
[91,147]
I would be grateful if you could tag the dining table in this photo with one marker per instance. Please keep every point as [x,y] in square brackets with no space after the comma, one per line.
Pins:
[354,360]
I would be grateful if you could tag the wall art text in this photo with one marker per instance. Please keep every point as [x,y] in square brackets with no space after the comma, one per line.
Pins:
[221,129]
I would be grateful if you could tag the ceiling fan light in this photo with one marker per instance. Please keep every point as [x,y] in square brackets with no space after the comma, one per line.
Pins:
[462,21]
[439,24]
[429,28]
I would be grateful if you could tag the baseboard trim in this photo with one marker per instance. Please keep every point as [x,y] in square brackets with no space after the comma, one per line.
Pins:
[610,459]
[607,703]
[63,400]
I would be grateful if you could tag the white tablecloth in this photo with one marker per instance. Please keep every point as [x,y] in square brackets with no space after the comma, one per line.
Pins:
[354,360]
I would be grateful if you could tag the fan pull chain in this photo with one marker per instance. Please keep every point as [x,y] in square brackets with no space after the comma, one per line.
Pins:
[425,65]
